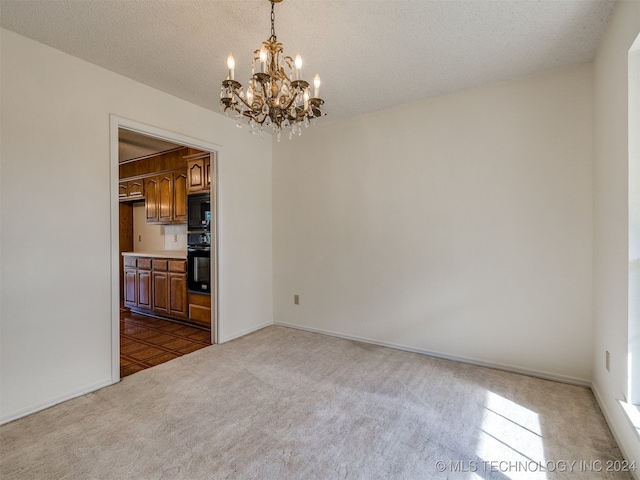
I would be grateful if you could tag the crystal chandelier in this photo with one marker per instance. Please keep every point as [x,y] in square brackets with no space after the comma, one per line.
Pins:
[276,96]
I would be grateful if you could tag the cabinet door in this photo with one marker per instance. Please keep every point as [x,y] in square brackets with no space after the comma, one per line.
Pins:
[144,289]
[160,293]
[135,188]
[165,198]
[151,199]
[195,175]
[180,197]
[207,173]
[130,289]
[200,309]
[178,295]
[123,191]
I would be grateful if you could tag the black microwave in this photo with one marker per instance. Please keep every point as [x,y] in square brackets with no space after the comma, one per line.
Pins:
[199,213]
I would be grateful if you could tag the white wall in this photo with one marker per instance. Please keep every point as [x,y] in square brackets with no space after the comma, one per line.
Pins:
[460,225]
[148,237]
[611,221]
[55,219]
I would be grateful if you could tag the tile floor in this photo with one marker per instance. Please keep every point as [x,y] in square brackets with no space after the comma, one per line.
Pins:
[146,341]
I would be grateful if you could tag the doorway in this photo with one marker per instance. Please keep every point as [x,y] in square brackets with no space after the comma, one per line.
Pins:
[145,323]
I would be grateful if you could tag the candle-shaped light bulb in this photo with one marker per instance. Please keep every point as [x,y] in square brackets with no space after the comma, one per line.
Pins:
[231,64]
[298,66]
[305,98]
[263,59]
[316,86]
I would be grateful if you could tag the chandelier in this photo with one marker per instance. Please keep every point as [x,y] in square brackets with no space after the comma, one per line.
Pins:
[276,96]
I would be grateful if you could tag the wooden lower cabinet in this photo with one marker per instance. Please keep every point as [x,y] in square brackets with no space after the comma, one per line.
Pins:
[130,287]
[144,288]
[161,292]
[200,309]
[157,285]
[178,295]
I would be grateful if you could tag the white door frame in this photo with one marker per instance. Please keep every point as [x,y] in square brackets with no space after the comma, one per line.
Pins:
[150,131]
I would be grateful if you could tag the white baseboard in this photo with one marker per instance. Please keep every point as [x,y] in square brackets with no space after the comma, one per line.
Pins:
[54,401]
[624,448]
[245,332]
[472,361]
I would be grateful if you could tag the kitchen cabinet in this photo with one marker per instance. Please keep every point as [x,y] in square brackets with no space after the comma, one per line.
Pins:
[198,172]
[160,290]
[178,295]
[180,189]
[131,190]
[130,288]
[166,198]
[200,309]
[143,283]
[151,199]
[160,279]
[156,285]
[137,288]
[143,279]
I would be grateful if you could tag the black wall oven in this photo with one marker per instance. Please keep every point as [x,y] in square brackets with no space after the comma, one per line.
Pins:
[199,269]
[199,243]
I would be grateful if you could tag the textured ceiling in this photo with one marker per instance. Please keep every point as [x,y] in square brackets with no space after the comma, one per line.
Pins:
[371,54]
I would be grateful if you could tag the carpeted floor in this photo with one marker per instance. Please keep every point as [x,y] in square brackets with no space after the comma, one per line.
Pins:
[287,404]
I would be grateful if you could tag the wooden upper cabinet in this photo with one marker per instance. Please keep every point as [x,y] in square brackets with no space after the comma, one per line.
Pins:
[180,197]
[198,172]
[135,189]
[195,173]
[151,189]
[131,190]
[207,173]
[165,198]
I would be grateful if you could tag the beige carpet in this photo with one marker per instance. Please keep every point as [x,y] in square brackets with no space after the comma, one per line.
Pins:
[287,404]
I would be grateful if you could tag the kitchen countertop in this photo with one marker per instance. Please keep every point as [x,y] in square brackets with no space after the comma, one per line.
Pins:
[182,254]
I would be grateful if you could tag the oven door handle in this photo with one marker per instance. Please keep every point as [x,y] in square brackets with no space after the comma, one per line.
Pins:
[198,249]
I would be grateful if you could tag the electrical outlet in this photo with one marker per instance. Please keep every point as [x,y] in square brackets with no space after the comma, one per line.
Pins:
[139,238]
[296,299]
[608,361]
[175,238]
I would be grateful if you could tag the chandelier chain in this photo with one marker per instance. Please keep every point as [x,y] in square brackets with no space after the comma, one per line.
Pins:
[273,19]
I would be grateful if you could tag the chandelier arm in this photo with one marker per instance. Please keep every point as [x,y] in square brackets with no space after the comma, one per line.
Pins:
[288,105]
[232,108]
[243,101]
[260,122]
